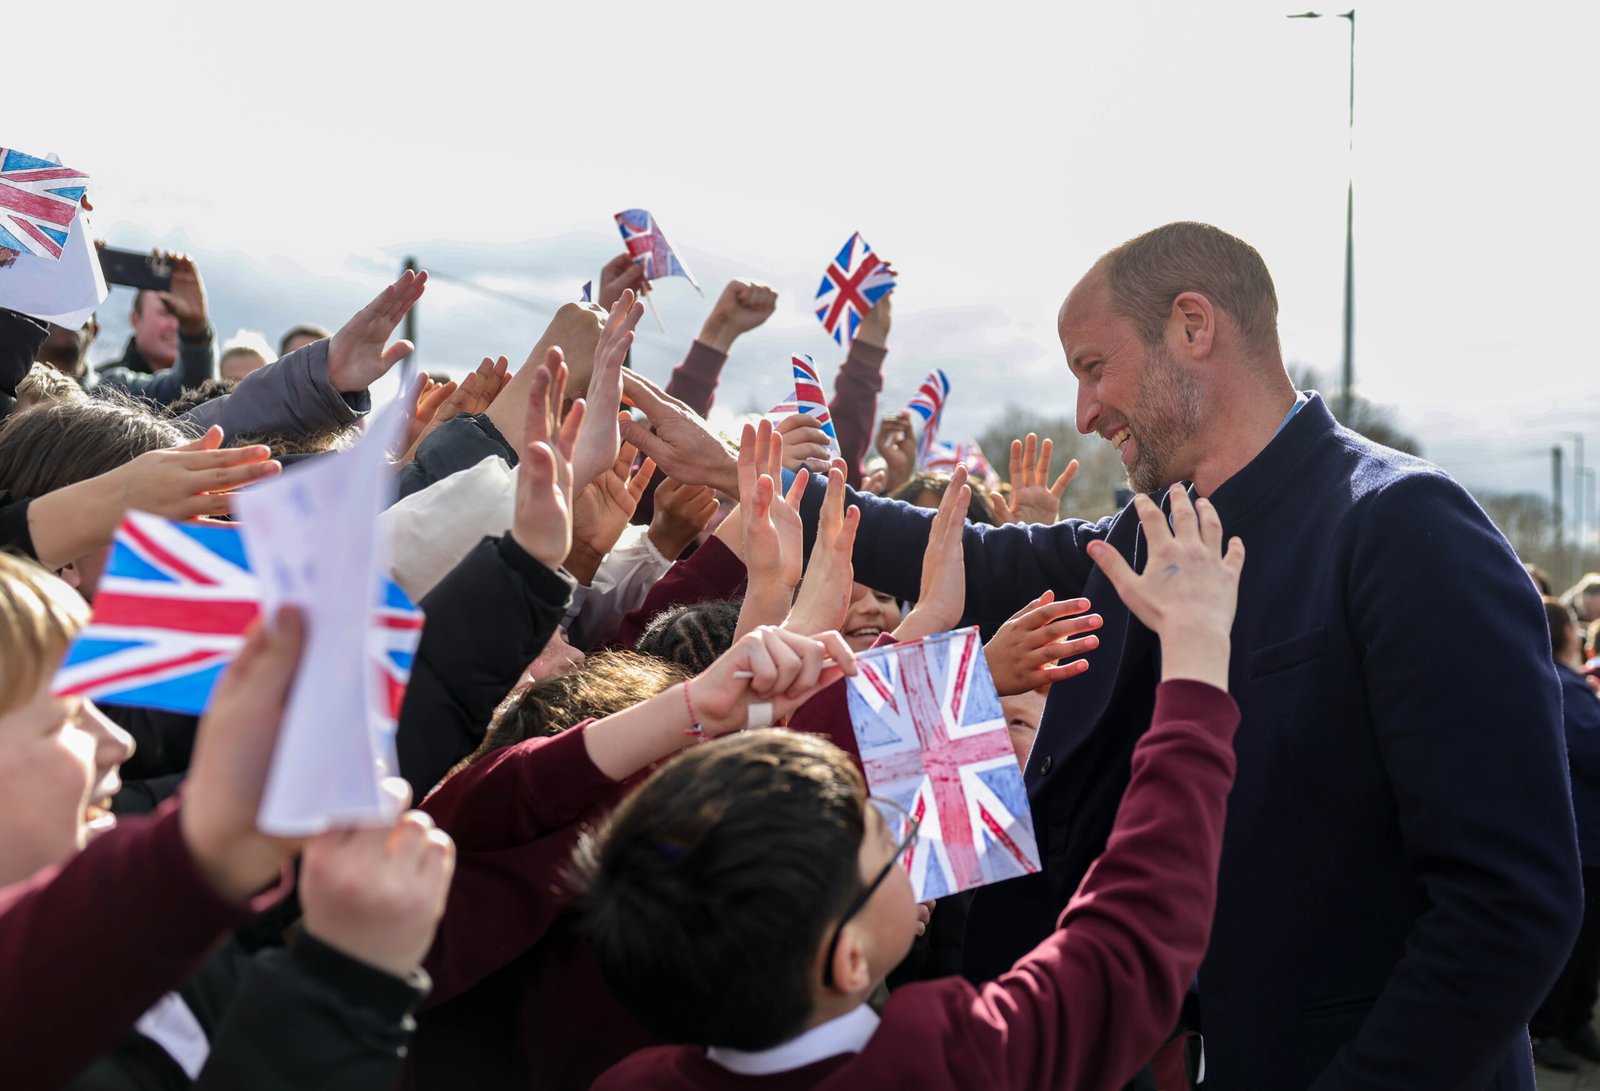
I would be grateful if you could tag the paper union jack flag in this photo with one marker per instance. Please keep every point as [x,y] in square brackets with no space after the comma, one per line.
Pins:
[850,287]
[38,200]
[928,403]
[945,457]
[933,739]
[172,610]
[650,248]
[808,398]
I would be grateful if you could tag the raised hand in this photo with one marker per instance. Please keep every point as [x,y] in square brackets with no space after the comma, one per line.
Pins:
[442,403]
[542,521]
[377,894]
[575,329]
[189,481]
[617,275]
[360,353]
[874,328]
[770,666]
[1188,589]
[1026,651]
[1033,499]
[232,753]
[601,511]
[943,595]
[773,545]
[599,439]
[804,444]
[681,515]
[680,441]
[898,446]
[742,307]
[186,299]
[824,597]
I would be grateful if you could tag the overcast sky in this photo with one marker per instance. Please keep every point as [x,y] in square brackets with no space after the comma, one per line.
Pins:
[991,151]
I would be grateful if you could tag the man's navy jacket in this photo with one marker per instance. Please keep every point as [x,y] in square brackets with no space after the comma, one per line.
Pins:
[1399,882]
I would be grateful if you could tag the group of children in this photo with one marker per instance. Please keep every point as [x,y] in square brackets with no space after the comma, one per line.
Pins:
[643,853]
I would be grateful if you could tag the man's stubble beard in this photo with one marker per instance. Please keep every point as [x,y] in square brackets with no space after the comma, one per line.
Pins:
[1168,413]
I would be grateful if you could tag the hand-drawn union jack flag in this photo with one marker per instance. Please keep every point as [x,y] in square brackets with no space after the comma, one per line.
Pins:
[38,200]
[808,398]
[933,739]
[172,610]
[851,287]
[650,248]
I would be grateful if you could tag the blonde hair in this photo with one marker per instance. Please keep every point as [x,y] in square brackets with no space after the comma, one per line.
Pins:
[39,616]
[44,383]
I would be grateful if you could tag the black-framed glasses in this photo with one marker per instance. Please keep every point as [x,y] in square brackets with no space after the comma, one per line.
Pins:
[902,827]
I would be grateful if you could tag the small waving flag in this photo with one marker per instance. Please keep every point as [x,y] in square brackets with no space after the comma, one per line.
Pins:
[172,610]
[945,457]
[38,201]
[933,738]
[650,248]
[808,398]
[587,292]
[851,287]
[928,403]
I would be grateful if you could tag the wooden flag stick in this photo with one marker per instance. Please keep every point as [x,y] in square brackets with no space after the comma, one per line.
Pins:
[653,311]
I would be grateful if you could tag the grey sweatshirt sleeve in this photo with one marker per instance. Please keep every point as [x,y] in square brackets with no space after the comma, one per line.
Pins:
[292,397]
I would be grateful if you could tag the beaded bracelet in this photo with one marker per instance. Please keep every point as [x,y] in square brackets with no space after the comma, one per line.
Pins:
[695,730]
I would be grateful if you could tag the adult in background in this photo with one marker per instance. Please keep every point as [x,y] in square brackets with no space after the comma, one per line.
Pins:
[1400,879]
[1562,1026]
[172,347]
[298,337]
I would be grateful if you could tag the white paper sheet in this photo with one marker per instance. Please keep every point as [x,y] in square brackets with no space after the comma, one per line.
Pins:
[65,292]
[313,541]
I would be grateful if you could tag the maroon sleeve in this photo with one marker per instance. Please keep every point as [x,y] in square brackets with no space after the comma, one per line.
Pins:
[1090,1005]
[711,573]
[515,817]
[855,404]
[694,382]
[87,947]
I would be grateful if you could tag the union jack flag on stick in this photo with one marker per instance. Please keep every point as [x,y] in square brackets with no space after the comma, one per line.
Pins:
[928,404]
[38,201]
[851,287]
[808,398]
[945,457]
[650,248]
[933,739]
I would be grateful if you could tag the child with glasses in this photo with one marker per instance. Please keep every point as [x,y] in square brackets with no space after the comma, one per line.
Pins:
[747,898]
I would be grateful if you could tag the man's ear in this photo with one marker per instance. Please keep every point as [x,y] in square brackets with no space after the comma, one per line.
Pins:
[1194,320]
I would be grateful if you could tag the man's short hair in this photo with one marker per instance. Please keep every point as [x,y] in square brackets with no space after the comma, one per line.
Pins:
[706,897]
[1145,274]
[316,333]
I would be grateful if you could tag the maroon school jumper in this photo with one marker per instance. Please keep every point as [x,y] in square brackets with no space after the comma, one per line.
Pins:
[1090,1005]
[87,947]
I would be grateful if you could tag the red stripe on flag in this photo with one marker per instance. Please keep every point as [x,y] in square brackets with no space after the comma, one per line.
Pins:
[1004,838]
[45,174]
[50,209]
[38,236]
[134,673]
[226,618]
[163,556]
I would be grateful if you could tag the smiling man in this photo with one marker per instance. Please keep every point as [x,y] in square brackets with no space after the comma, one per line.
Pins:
[1399,878]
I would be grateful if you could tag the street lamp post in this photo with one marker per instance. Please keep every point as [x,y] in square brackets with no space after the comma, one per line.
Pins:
[1347,389]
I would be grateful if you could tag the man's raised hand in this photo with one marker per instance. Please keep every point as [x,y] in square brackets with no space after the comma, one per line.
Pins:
[682,444]
[360,353]
[1188,589]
